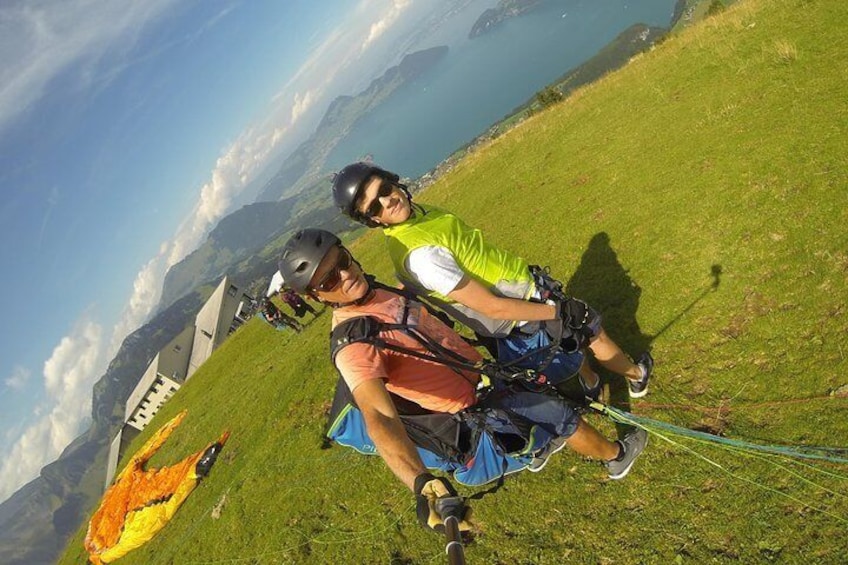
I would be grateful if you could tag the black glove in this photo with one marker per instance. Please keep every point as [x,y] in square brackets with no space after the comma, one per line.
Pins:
[570,328]
[436,492]
[573,313]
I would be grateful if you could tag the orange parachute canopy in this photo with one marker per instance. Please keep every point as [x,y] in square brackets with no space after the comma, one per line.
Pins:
[140,502]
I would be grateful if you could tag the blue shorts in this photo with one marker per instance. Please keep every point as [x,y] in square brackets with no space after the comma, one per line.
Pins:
[516,345]
[553,415]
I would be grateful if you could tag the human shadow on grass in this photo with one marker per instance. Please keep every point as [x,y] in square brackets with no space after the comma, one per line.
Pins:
[602,281]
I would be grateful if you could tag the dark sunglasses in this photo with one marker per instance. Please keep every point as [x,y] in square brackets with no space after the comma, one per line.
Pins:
[332,279]
[376,207]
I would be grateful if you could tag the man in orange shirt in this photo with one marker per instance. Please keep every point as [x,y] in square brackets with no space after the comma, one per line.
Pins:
[315,262]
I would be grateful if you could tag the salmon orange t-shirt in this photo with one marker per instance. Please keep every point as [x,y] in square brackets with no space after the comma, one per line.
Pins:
[432,385]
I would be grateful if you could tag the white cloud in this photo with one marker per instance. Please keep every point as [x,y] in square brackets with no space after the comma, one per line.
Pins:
[69,375]
[277,135]
[244,158]
[73,360]
[231,175]
[18,379]
[301,104]
[232,172]
[147,289]
[25,459]
[380,27]
[41,39]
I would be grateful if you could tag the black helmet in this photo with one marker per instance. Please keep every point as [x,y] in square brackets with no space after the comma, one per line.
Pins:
[348,183]
[302,254]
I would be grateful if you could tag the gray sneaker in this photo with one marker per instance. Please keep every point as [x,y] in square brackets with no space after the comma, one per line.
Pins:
[540,460]
[632,444]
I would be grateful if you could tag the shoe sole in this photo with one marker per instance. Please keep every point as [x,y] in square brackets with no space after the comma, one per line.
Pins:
[639,394]
[539,468]
[623,473]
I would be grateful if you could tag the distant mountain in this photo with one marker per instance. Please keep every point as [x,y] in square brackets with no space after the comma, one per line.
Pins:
[236,236]
[504,10]
[22,532]
[614,55]
[304,165]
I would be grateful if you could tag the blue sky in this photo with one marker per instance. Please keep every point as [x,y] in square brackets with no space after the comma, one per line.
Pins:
[127,129]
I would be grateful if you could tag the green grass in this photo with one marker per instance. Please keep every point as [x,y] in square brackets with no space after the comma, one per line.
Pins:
[726,145]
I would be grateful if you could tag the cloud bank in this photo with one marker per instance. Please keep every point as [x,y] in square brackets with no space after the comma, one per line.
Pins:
[380,27]
[244,158]
[69,376]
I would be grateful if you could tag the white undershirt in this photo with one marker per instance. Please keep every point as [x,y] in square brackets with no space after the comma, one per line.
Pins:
[435,268]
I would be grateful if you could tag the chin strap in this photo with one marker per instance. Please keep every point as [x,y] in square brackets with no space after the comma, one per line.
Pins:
[415,209]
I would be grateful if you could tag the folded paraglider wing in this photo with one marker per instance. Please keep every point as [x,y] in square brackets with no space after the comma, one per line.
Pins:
[141,501]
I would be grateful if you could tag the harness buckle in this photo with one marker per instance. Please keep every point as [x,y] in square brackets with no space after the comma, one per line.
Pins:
[529,376]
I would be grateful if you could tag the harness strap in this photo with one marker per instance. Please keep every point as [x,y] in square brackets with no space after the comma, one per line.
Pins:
[367,329]
[414,297]
[543,280]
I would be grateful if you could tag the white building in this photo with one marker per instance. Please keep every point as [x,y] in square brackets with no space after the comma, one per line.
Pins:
[163,377]
[177,361]
[125,435]
[219,316]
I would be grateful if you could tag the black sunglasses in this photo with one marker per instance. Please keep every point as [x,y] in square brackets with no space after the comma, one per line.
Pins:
[376,207]
[332,279]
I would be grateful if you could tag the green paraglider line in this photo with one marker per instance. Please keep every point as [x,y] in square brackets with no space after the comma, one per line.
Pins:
[763,452]
[802,452]
[724,409]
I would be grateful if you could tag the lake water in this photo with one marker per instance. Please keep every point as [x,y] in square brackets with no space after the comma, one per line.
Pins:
[482,80]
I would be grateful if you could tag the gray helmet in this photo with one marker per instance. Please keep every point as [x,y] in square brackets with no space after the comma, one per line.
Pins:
[350,181]
[302,254]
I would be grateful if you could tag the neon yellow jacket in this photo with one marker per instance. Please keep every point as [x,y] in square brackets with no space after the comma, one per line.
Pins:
[499,271]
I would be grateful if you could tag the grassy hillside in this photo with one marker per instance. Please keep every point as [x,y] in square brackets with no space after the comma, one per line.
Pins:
[725,146]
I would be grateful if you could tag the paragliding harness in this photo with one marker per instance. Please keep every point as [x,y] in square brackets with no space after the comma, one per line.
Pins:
[464,442]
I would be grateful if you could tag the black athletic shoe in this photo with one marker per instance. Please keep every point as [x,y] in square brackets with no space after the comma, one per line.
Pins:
[592,394]
[204,464]
[632,444]
[639,388]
